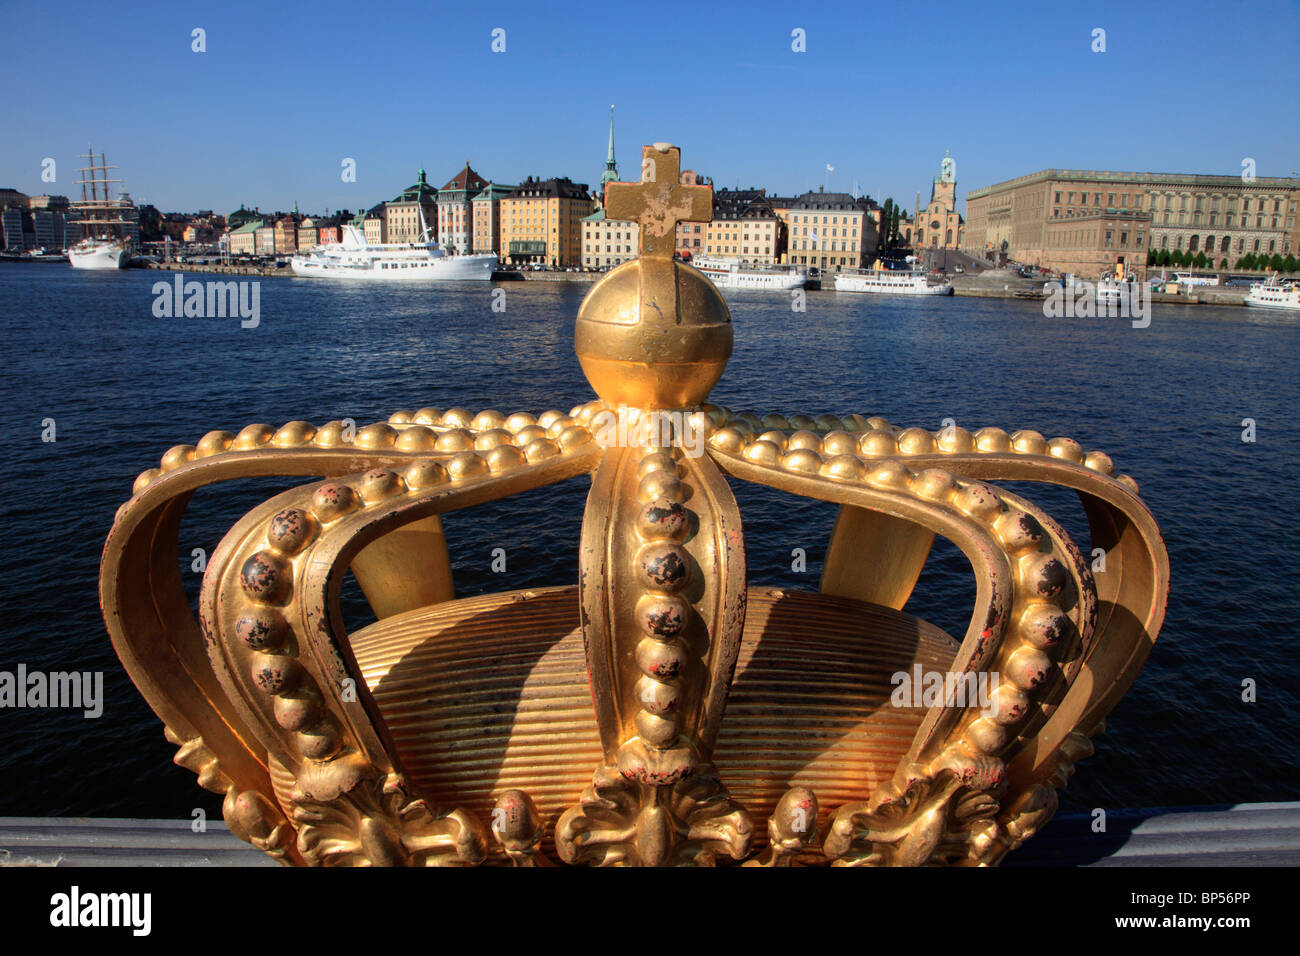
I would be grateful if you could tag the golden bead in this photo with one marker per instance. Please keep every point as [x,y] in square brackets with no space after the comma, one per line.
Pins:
[144,479]
[529,434]
[331,500]
[504,457]
[574,436]
[329,435]
[491,438]
[777,438]
[428,416]
[992,440]
[727,439]
[489,418]
[828,423]
[779,422]
[802,460]
[252,436]
[425,474]
[213,443]
[803,439]
[805,422]
[416,438]
[379,484]
[955,440]
[985,735]
[557,427]
[763,452]
[176,456]
[1129,481]
[378,435]
[839,442]
[293,434]
[656,461]
[401,418]
[979,501]
[1067,449]
[843,468]
[519,421]
[915,441]
[1099,461]
[880,423]
[456,439]
[1029,443]
[660,484]
[856,423]
[548,418]
[466,465]
[889,474]
[540,449]
[457,418]
[877,443]
[934,484]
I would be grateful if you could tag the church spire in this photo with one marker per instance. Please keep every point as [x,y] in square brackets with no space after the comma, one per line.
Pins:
[610,174]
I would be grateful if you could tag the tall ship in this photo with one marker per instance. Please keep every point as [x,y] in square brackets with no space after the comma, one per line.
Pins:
[912,280]
[355,258]
[108,225]
[1275,294]
[730,274]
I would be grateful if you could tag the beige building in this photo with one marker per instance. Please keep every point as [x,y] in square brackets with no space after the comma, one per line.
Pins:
[608,242]
[307,233]
[243,239]
[833,231]
[938,225]
[744,227]
[375,225]
[286,234]
[264,239]
[541,222]
[487,218]
[408,214]
[1032,218]
[691,235]
[456,211]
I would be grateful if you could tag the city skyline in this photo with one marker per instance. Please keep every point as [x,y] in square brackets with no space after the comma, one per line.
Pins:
[1007,92]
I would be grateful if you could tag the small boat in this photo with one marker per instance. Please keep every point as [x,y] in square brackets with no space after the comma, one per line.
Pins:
[882,281]
[1275,294]
[730,274]
[1118,291]
[354,258]
[97,253]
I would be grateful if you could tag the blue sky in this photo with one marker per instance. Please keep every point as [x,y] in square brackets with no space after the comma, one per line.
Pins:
[286,91]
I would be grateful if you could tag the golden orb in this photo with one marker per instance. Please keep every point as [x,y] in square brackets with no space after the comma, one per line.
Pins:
[654,333]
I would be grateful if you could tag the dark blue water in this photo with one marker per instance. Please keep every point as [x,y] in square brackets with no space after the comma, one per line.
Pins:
[1165,402]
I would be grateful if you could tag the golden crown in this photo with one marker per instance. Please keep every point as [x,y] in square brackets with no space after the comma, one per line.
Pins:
[585,724]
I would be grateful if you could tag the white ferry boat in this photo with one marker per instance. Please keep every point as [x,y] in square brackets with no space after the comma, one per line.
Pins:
[1275,294]
[354,258]
[730,274]
[882,281]
[105,221]
[1117,291]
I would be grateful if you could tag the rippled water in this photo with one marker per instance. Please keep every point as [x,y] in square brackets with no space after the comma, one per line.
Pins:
[1166,403]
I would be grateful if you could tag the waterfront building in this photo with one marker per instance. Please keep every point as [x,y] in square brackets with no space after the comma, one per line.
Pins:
[241,216]
[52,203]
[938,225]
[487,218]
[744,227]
[374,223]
[264,239]
[243,238]
[541,221]
[833,231]
[1060,218]
[403,214]
[608,242]
[12,218]
[307,233]
[286,234]
[456,210]
[691,235]
[330,230]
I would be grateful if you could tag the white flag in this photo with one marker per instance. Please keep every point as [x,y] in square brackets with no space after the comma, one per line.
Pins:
[814,238]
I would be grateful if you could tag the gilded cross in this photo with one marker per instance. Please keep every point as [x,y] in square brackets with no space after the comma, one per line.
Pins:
[659,201]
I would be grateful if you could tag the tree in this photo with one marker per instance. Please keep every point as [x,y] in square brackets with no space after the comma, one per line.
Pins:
[1165,258]
[1200,261]
[1275,263]
[1246,262]
[1151,257]
[1289,264]
[887,223]
[1224,264]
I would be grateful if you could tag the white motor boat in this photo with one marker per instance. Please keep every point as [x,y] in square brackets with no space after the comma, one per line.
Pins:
[1275,294]
[882,281]
[730,274]
[354,258]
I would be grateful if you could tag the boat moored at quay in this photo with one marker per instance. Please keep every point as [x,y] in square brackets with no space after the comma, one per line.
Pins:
[106,222]
[354,258]
[731,274]
[1275,294]
[884,281]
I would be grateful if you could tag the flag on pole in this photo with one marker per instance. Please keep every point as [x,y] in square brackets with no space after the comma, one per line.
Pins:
[815,239]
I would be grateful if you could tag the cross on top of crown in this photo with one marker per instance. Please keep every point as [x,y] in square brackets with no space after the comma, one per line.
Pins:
[659,201]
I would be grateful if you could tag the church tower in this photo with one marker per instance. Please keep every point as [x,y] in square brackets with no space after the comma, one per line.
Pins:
[944,191]
[610,175]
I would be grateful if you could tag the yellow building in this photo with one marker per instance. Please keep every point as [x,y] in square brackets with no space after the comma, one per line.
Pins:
[608,242]
[744,227]
[243,239]
[541,222]
[938,225]
[408,214]
[832,231]
[375,225]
